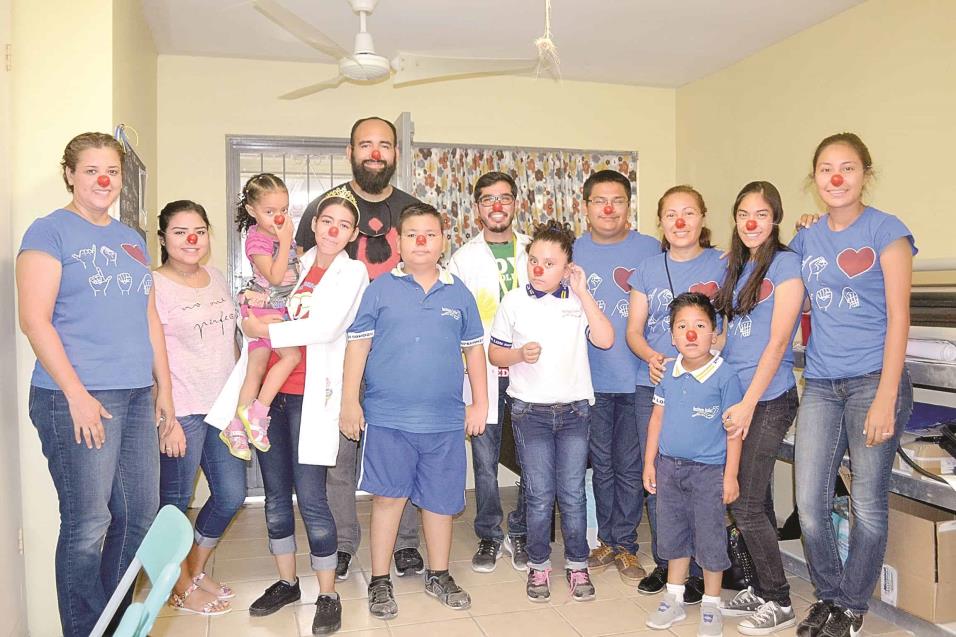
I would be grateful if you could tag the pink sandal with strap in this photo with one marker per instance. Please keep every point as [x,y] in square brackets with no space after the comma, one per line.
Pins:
[222,592]
[234,435]
[209,609]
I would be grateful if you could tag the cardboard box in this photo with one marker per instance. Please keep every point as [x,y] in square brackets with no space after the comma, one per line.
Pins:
[929,456]
[919,570]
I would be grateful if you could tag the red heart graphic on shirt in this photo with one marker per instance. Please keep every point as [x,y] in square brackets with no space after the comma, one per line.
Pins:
[136,252]
[856,262]
[375,224]
[621,275]
[766,289]
[708,289]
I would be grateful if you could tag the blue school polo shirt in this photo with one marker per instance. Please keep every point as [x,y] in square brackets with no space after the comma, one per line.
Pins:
[748,336]
[844,280]
[608,267]
[703,273]
[693,404]
[414,373]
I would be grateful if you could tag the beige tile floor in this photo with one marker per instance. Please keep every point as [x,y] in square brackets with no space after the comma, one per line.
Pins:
[499,606]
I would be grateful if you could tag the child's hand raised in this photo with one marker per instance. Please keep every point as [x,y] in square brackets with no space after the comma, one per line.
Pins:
[531,352]
[283,231]
[351,420]
[578,281]
[650,479]
[731,489]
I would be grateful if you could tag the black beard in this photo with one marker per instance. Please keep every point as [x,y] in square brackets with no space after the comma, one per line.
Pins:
[370,181]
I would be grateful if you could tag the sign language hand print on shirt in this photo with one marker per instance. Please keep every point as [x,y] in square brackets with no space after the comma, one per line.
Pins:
[125,281]
[146,284]
[110,255]
[86,255]
[594,282]
[99,283]
[824,297]
[851,298]
[816,266]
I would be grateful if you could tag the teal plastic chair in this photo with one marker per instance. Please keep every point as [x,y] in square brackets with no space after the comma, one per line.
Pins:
[162,551]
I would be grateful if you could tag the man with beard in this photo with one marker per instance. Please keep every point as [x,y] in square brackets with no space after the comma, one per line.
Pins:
[491,264]
[372,153]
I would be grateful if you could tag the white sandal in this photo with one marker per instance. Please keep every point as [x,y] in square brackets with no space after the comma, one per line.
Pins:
[209,609]
[223,592]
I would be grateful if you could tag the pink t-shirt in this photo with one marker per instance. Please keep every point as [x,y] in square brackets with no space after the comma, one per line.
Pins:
[258,242]
[200,329]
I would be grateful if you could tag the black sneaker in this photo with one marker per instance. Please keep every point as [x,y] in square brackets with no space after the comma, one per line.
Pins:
[655,582]
[381,599]
[486,556]
[444,589]
[693,590]
[517,546]
[328,614]
[817,617]
[276,596]
[408,561]
[342,566]
[842,623]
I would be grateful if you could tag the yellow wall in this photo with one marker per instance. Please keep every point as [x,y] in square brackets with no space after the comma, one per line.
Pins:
[201,100]
[63,83]
[883,69]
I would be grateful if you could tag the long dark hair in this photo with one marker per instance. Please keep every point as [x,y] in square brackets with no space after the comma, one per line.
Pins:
[257,186]
[740,254]
[169,211]
[704,239]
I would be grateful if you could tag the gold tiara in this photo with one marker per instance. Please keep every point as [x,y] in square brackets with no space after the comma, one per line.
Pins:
[343,193]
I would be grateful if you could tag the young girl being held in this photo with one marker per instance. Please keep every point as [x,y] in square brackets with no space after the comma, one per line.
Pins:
[540,333]
[270,248]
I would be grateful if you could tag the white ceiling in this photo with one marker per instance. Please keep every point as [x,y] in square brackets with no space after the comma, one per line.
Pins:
[664,43]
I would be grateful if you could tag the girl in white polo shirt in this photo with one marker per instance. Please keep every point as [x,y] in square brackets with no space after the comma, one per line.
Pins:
[540,333]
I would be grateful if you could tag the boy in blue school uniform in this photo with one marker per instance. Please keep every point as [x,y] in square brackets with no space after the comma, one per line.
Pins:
[691,464]
[408,337]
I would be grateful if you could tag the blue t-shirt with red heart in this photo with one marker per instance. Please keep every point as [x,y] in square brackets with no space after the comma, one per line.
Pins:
[748,335]
[607,268]
[844,280]
[703,273]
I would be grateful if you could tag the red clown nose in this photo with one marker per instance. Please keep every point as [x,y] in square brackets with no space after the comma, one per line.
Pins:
[751,225]
[680,223]
[192,239]
[497,207]
[608,209]
[691,336]
[377,155]
[334,231]
[103,181]
[420,240]
[538,270]
[837,180]
[279,219]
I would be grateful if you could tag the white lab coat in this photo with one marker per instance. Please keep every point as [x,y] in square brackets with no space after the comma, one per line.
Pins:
[475,265]
[335,301]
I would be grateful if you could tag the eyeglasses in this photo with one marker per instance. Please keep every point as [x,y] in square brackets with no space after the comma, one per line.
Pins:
[617,202]
[489,200]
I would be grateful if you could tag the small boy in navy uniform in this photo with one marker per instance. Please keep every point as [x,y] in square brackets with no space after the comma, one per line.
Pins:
[691,464]
[407,338]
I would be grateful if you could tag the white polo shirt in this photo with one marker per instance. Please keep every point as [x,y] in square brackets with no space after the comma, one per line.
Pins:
[557,322]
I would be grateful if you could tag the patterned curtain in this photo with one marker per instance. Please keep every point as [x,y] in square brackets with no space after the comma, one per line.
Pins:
[550,184]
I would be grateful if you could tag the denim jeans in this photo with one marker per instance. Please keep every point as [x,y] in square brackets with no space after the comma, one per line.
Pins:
[281,473]
[485,454]
[831,422]
[342,480]
[757,524]
[108,497]
[616,458]
[552,443]
[643,407]
[225,474]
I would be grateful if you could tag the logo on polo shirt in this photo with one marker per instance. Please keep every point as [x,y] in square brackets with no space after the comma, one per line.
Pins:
[706,412]
[455,314]
[571,313]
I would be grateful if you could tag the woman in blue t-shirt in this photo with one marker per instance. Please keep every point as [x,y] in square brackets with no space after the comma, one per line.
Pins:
[86,303]
[688,264]
[760,299]
[857,265]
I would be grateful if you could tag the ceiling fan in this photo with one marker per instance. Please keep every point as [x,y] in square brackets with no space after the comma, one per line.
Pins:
[364,65]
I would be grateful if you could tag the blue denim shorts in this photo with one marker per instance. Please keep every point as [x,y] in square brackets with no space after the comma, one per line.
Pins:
[691,512]
[427,468]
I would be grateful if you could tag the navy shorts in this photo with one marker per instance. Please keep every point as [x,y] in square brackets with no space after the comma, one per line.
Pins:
[691,514]
[428,468]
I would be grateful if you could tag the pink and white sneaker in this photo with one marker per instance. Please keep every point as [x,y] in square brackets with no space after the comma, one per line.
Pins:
[256,419]
[234,435]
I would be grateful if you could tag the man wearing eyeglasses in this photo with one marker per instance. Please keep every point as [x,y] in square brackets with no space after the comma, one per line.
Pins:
[372,152]
[490,264]
[609,253]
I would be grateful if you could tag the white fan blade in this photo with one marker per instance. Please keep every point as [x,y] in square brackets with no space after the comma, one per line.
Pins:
[299,28]
[411,67]
[314,88]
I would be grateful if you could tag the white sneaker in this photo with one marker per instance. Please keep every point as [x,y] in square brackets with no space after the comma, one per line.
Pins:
[669,612]
[711,621]
[769,618]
